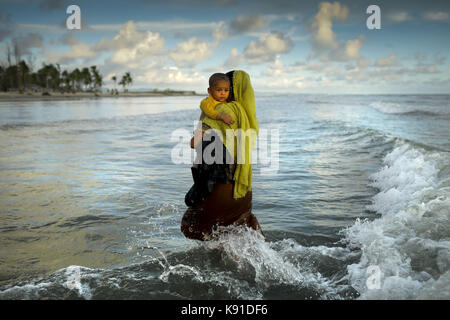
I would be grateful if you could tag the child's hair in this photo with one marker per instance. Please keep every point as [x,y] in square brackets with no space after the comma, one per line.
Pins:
[216,77]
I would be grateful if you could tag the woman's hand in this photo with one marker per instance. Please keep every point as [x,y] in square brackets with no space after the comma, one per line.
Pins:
[197,138]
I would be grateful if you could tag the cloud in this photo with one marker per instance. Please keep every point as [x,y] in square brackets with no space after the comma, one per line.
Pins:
[244,24]
[68,39]
[131,46]
[31,40]
[263,50]
[78,51]
[324,41]
[267,47]
[281,77]
[349,50]
[276,68]
[220,33]
[191,52]
[436,16]
[239,25]
[389,61]
[165,77]
[234,59]
[352,48]
[6,24]
[426,69]
[323,35]
[128,37]
[400,16]
[51,4]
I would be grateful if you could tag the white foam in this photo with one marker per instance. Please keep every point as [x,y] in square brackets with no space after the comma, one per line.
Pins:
[402,108]
[271,260]
[25,292]
[409,242]
[74,275]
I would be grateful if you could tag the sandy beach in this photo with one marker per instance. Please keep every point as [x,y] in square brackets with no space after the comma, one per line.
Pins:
[16,96]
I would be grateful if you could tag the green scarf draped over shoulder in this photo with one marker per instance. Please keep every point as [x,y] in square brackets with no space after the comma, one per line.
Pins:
[243,112]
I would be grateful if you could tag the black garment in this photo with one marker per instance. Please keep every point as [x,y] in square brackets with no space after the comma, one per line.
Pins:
[230,76]
[207,175]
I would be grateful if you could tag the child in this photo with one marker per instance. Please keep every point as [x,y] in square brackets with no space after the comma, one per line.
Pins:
[219,91]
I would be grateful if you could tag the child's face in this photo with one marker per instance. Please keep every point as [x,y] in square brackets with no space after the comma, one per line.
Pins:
[220,91]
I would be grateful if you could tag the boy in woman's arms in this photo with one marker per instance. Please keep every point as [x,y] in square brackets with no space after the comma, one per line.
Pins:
[219,91]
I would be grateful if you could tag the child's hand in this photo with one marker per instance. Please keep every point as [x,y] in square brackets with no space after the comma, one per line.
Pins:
[226,118]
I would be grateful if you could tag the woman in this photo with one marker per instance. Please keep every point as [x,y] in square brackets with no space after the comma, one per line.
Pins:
[221,194]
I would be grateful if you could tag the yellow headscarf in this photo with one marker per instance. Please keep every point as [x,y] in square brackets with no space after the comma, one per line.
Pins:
[243,112]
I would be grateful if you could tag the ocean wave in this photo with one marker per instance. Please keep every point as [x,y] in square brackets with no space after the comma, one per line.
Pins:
[407,247]
[403,109]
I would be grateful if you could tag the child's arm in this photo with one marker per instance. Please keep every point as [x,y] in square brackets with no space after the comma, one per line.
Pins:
[225,117]
[207,105]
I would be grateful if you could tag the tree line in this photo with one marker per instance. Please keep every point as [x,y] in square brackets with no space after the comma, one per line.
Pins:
[20,77]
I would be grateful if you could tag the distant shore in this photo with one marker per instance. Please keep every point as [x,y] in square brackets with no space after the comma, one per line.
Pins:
[16,96]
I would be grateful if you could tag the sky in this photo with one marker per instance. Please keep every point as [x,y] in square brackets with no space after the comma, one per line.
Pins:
[287,46]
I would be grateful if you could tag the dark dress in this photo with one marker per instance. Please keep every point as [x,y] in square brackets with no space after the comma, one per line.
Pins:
[210,199]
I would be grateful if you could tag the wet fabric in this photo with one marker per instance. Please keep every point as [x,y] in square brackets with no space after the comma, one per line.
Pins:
[242,110]
[212,199]
[219,209]
[206,175]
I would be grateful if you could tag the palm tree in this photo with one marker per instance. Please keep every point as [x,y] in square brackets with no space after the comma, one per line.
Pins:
[123,83]
[126,80]
[24,71]
[44,76]
[75,76]
[98,81]
[114,78]
[65,78]
[86,77]
[129,79]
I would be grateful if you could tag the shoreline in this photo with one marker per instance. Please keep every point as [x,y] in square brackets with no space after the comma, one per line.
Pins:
[29,96]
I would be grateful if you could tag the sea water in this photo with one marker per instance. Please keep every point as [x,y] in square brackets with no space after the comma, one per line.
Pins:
[91,202]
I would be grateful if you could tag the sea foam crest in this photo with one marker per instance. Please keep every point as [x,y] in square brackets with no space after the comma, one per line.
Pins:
[408,243]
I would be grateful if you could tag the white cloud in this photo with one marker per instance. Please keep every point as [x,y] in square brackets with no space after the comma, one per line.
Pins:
[234,59]
[401,16]
[436,16]
[191,52]
[426,69]
[324,40]
[389,61]
[130,45]
[220,33]
[263,50]
[79,50]
[279,76]
[68,39]
[267,47]
[323,35]
[170,76]
[276,68]
[352,48]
